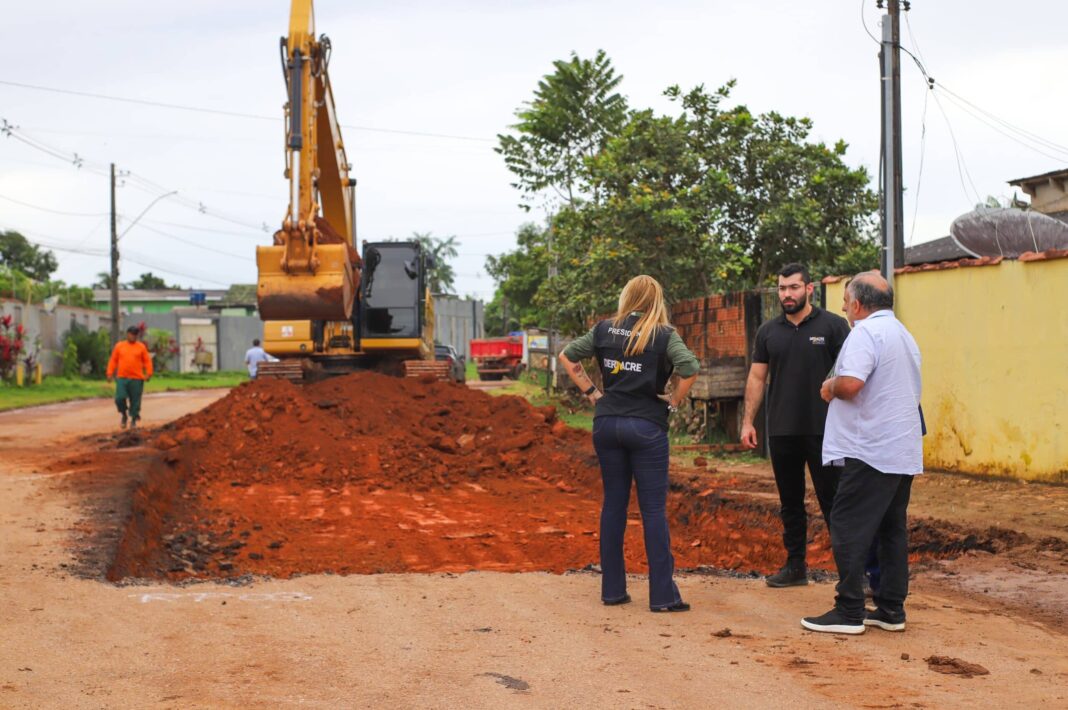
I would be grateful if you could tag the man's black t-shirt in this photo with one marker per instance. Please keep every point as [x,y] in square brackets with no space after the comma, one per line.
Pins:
[799,358]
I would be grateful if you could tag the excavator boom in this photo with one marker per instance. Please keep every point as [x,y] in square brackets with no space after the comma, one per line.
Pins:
[327,310]
[311,272]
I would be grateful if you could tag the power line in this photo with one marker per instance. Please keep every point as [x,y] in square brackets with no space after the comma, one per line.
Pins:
[919,174]
[126,256]
[53,211]
[1024,137]
[137,181]
[923,137]
[250,235]
[233,114]
[864,23]
[962,166]
[1062,156]
[245,257]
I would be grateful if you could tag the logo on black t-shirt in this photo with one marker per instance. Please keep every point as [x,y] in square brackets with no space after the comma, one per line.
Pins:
[817,340]
[614,367]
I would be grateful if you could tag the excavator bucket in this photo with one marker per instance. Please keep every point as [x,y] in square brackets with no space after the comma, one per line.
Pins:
[325,293]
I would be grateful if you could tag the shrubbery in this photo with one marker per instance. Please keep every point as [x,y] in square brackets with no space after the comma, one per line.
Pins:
[90,352]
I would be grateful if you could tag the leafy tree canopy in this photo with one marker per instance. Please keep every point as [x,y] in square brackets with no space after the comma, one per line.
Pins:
[711,198]
[16,252]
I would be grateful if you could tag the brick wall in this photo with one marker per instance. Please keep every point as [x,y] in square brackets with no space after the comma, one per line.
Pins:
[712,327]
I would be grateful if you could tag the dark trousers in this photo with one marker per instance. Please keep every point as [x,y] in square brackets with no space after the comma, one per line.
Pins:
[870,505]
[631,448]
[789,454]
[129,389]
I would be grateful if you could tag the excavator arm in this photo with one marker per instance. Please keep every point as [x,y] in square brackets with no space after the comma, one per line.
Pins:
[311,272]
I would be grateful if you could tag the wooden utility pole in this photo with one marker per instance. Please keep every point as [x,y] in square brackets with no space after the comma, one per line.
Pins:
[892,202]
[114,265]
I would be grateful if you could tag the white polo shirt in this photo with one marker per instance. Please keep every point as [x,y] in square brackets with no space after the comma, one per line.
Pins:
[881,425]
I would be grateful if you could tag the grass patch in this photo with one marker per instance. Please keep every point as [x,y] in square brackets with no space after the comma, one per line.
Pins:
[61,389]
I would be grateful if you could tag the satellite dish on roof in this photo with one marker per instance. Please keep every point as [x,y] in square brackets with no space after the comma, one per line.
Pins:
[1007,232]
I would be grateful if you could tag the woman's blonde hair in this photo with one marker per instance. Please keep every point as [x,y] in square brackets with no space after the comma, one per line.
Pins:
[643,294]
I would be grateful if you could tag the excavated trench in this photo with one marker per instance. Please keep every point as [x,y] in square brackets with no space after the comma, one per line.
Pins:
[368,474]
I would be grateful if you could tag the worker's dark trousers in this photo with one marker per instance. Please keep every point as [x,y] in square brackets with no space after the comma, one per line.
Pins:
[789,454]
[870,505]
[129,389]
[634,448]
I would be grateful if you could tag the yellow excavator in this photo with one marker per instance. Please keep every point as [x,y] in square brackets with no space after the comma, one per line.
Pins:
[327,309]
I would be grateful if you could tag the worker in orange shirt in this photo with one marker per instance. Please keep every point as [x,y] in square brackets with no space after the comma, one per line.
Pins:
[131,365]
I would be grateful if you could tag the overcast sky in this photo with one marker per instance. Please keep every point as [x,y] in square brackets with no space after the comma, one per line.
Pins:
[461,69]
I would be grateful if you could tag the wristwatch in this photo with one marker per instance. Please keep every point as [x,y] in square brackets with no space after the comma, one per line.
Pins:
[591,390]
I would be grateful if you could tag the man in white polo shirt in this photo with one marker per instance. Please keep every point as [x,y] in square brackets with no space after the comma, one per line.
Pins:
[874,432]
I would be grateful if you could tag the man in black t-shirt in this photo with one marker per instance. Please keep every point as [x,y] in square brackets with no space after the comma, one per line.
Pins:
[797,349]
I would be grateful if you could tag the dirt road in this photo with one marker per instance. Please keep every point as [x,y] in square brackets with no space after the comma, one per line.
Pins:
[479,639]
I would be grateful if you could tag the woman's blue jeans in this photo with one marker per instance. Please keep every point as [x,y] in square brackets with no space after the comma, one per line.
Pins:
[632,448]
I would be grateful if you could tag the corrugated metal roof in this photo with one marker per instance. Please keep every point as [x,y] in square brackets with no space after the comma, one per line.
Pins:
[944,249]
[1052,175]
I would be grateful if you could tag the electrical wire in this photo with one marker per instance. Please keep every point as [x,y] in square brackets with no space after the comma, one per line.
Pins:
[1062,156]
[132,257]
[250,235]
[923,137]
[864,23]
[962,166]
[125,176]
[53,211]
[233,114]
[919,174]
[244,257]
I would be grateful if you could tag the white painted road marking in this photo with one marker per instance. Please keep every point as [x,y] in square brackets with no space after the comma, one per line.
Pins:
[204,596]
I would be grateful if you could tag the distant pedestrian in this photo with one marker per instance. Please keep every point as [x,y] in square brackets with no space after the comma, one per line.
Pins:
[637,352]
[874,432]
[131,365]
[797,349]
[254,356]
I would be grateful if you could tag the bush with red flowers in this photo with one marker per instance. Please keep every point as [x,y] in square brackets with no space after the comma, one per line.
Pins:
[12,344]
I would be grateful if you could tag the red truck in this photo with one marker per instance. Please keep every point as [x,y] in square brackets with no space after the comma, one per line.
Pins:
[498,357]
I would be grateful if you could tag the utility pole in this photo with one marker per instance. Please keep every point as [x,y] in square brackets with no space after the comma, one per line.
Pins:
[892,202]
[114,265]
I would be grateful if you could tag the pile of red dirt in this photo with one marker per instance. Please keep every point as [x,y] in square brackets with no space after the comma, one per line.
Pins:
[369,473]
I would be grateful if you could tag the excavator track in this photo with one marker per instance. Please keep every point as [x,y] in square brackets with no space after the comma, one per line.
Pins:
[281,370]
[437,369]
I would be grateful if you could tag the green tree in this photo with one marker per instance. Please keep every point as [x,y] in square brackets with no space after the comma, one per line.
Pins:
[148,281]
[441,278]
[103,280]
[711,199]
[575,110]
[16,252]
[518,275]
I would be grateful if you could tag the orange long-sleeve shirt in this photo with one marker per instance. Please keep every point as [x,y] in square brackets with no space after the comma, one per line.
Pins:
[132,361]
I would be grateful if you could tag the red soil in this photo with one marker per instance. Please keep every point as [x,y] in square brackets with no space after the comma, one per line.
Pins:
[368,473]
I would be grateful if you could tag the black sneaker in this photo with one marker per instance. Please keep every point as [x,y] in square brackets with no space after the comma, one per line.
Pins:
[677,606]
[788,576]
[832,623]
[625,599]
[122,423]
[885,620]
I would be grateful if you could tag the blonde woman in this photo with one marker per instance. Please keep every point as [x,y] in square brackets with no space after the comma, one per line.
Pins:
[637,352]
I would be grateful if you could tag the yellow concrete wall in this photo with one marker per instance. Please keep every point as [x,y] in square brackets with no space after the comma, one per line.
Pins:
[994,341]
